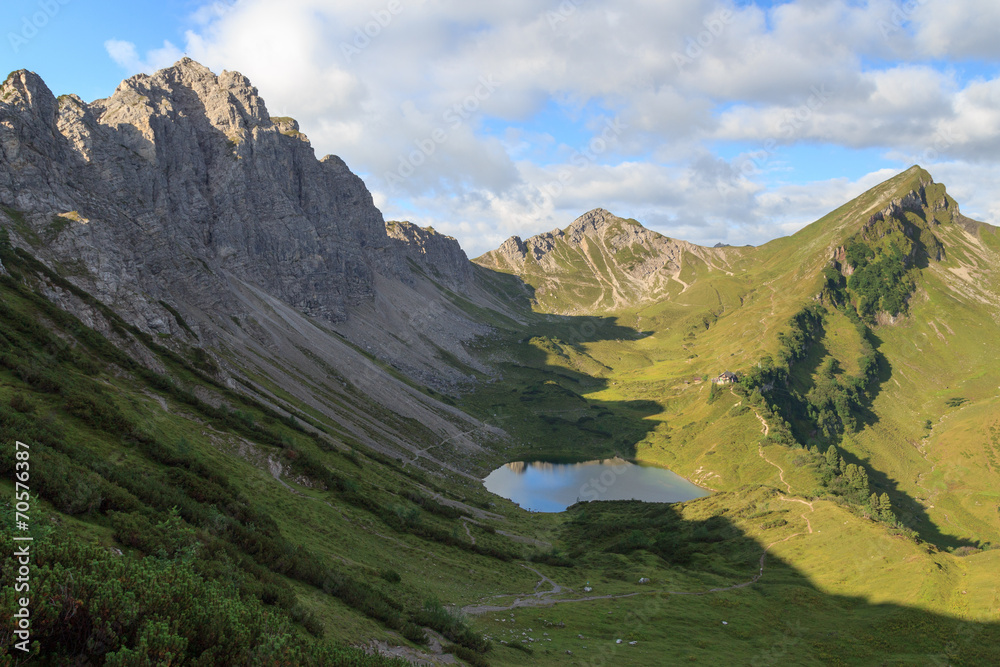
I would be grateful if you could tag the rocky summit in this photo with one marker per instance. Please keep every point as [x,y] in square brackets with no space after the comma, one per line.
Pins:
[601,262]
[180,182]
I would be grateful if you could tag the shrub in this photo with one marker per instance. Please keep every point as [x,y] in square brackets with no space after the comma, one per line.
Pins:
[20,403]
[452,625]
[961,552]
[466,654]
[391,576]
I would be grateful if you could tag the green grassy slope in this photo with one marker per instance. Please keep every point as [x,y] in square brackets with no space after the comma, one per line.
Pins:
[929,361]
[244,537]
[217,498]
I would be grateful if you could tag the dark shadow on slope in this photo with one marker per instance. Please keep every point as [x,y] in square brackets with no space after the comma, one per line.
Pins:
[773,613]
[546,372]
[811,409]
[908,509]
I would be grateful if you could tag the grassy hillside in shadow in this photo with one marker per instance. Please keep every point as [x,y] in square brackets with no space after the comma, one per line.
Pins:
[542,403]
[682,584]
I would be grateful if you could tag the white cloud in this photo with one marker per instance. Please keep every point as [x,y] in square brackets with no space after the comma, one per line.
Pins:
[126,55]
[374,81]
[958,28]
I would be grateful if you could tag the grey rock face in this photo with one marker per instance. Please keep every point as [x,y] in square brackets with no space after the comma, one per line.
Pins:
[626,263]
[439,256]
[181,188]
[512,251]
[179,182]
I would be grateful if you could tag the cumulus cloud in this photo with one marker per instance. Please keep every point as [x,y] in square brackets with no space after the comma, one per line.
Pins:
[490,119]
[125,54]
[957,29]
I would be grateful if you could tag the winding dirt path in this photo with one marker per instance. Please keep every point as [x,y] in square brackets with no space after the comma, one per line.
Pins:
[781,471]
[803,515]
[465,524]
[766,430]
[545,598]
[541,544]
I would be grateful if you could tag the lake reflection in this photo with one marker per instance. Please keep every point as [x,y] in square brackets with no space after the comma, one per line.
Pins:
[552,487]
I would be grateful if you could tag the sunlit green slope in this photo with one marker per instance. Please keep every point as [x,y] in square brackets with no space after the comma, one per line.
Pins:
[871,330]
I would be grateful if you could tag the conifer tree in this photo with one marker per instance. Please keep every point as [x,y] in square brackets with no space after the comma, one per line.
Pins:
[833,458]
[885,507]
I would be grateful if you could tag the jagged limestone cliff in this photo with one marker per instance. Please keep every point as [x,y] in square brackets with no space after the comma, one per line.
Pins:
[183,175]
[602,262]
[182,205]
[437,255]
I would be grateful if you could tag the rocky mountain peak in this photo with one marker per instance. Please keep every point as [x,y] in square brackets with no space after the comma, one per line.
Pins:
[228,103]
[437,255]
[186,181]
[600,261]
[25,88]
[600,223]
[513,248]
[594,219]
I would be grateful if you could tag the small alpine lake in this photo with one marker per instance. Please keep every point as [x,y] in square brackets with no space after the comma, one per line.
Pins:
[552,487]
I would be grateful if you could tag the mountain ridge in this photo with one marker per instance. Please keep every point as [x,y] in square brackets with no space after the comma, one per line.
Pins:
[611,262]
[181,205]
[615,263]
[207,166]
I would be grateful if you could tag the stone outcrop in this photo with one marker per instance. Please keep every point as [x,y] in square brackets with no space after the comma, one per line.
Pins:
[438,256]
[180,182]
[615,262]
[181,204]
[914,201]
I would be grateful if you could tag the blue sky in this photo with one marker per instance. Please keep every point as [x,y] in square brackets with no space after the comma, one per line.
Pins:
[68,50]
[710,121]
